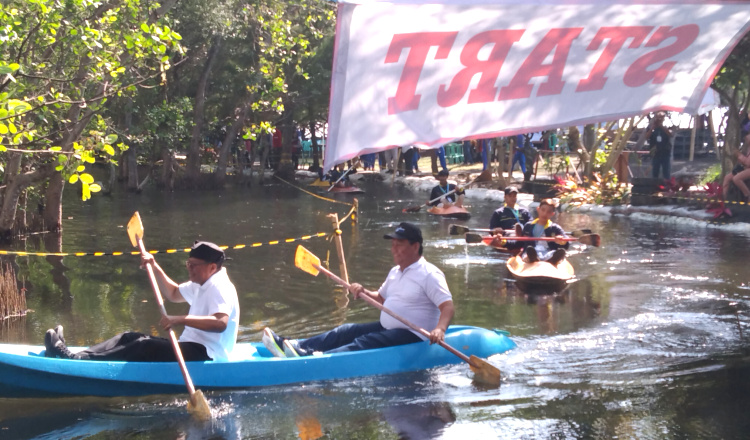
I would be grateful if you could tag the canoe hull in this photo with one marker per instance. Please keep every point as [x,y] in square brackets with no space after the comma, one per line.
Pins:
[492,242]
[540,276]
[25,372]
[450,212]
[347,190]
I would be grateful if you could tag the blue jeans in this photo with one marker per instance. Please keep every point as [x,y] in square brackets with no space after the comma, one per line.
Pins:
[661,161]
[441,156]
[468,154]
[519,158]
[354,337]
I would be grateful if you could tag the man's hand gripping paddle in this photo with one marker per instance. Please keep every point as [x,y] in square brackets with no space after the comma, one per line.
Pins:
[198,406]
[483,370]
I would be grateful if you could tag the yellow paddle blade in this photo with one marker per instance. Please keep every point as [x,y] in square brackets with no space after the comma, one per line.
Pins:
[198,406]
[135,229]
[484,371]
[306,261]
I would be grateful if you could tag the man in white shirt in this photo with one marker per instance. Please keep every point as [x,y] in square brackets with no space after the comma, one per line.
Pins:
[414,289]
[211,324]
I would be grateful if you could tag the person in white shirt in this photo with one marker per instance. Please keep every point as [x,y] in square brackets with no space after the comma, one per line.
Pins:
[414,289]
[211,324]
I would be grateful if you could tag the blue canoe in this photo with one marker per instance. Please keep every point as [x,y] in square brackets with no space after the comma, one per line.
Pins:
[24,371]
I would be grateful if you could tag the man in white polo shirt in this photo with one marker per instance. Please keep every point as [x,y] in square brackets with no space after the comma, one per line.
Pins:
[414,289]
[211,324]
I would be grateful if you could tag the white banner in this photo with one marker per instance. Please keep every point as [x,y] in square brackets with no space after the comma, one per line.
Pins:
[412,73]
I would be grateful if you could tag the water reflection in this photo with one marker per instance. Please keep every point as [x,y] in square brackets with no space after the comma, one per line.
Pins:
[650,342]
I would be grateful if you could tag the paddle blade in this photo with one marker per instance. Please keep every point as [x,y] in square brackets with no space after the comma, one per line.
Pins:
[591,240]
[484,372]
[473,238]
[580,232]
[198,406]
[412,209]
[457,230]
[307,261]
[135,229]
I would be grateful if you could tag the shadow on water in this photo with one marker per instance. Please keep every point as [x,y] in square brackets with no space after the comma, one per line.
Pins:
[651,341]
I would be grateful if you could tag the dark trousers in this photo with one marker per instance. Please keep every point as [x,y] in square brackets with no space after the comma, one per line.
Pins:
[137,347]
[354,337]
[662,162]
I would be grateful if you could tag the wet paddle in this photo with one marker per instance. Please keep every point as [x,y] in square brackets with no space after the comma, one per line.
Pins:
[343,175]
[198,406]
[460,230]
[417,208]
[483,370]
[587,239]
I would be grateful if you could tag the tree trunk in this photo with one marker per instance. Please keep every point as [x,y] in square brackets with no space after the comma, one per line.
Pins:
[12,194]
[263,158]
[285,169]
[220,174]
[620,143]
[131,159]
[589,144]
[167,172]
[52,214]
[194,155]
[315,148]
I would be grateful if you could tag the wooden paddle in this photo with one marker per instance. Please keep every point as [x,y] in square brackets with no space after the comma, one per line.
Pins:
[484,371]
[417,208]
[198,406]
[343,175]
[460,230]
[587,239]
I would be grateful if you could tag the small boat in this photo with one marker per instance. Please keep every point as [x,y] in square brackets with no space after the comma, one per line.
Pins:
[450,212]
[346,190]
[540,275]
[25,372]
[495,243]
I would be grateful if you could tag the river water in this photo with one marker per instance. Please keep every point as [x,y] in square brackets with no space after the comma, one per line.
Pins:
[649,343]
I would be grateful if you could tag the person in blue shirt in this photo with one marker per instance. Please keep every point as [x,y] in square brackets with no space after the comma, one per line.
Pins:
[551,251]
[510,214]
[441,191]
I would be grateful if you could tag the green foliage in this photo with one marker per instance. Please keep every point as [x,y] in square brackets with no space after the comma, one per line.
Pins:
[713,174]
[601,191]
[62,62]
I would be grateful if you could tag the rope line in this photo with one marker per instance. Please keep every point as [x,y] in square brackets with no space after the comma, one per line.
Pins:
[313,194]
[167,251]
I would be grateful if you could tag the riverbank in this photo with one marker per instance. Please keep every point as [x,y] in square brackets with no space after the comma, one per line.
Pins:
[680,213]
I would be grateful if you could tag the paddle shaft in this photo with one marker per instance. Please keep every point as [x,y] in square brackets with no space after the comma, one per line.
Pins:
[377,305]
[539,238]
[343,175]
[172,337]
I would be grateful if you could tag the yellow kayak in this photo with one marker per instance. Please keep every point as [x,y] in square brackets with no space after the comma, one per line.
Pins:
[541,274]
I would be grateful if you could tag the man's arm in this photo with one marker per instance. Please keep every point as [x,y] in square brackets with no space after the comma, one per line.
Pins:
[215,323]
[446,315]
[168,288]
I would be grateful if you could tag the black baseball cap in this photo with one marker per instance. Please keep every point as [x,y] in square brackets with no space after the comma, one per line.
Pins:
[406,231]
[207,251]
[511,189]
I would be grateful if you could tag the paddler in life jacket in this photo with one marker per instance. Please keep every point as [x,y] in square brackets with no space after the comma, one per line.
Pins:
[551,251]
[440,192]
[509,217]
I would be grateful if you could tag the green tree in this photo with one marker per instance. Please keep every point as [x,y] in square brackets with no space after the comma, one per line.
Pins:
[61,62]
[733,84]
